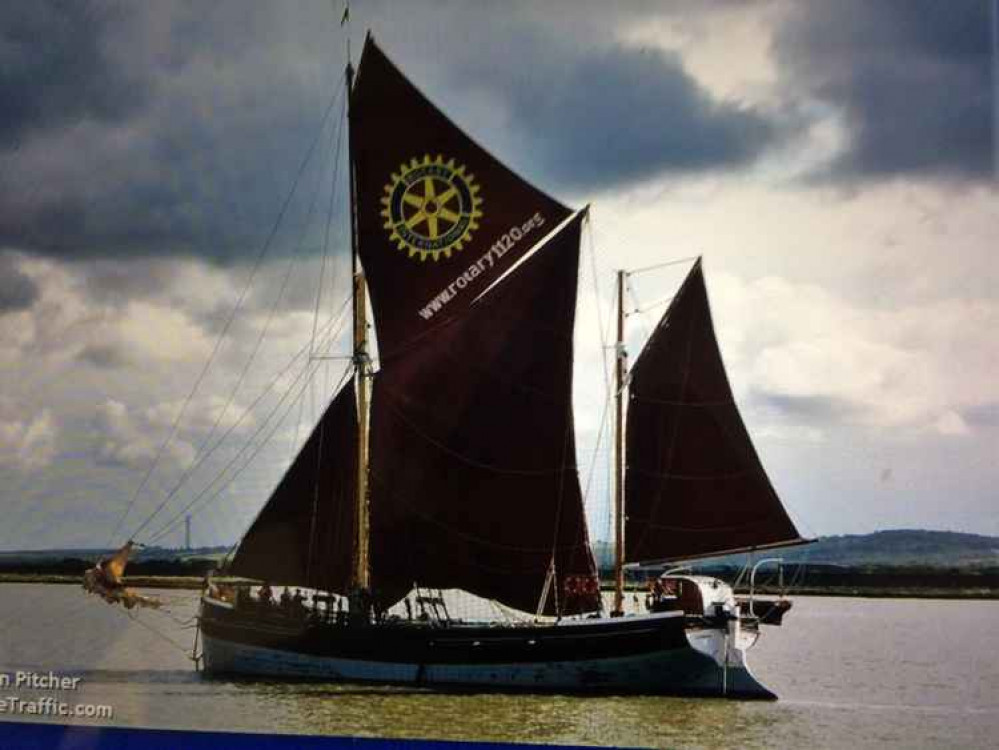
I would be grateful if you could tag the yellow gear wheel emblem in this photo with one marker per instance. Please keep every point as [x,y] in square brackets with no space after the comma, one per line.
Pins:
[431,207]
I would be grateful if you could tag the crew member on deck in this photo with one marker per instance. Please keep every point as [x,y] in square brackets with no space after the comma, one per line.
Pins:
[266,595]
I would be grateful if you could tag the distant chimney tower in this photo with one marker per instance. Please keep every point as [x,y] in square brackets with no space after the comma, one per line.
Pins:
[187,533]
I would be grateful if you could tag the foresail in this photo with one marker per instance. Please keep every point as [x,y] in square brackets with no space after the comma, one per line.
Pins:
[438,218]
[694,485]
[473,478]
[304,534]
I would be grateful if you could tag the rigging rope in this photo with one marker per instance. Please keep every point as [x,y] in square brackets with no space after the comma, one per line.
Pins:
[258,262]
[156,631]
[665,264]
[329,221]
[277,423]
[634,297]
[336,325]
[604,334]
[204,456]
[301,400]
[239,421]
[315,322]
[601,431]
[652,305]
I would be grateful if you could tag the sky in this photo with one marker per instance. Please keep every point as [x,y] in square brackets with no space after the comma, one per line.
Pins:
[835,164]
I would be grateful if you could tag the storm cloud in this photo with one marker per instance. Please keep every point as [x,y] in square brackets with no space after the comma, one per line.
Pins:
[157,131]
[166,130]
[812,409]
[55,68]
[912,78]
[625,114]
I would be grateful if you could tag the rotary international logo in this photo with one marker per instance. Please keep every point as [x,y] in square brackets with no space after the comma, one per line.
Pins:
[431,207]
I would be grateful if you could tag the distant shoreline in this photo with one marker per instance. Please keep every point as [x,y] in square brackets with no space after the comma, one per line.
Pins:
[144,582]
[194,583]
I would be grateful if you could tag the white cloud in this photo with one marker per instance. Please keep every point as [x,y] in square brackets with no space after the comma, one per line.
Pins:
[154,331]
[709,42]
[878,306]
[132,440]
[27,444]
[69,319]
[17,331]
[951,423]
[201,415]
[791,433]
[913,367]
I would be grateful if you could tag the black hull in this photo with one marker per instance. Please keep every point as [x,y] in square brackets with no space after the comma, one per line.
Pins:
[644,654]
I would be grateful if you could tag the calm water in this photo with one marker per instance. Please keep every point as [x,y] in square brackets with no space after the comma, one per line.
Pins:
[851,673]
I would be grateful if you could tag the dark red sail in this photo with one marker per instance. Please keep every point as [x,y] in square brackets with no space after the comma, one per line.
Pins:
[438,218]
[304,535]
[473,478]
[694,485]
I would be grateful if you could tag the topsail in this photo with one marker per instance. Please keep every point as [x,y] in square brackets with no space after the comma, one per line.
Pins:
[461,495]
[438,218]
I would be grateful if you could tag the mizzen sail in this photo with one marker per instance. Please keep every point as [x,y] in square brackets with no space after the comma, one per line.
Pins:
[694,485]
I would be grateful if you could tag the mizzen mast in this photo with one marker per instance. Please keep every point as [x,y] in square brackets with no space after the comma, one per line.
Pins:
[621,360]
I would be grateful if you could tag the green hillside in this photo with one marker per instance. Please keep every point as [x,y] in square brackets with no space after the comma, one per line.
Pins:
[893,548]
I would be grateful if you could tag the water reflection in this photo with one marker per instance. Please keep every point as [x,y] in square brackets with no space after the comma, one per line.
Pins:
[637,721]
[854,674]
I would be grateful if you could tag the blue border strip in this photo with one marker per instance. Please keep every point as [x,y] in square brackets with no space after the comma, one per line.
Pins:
[21,736]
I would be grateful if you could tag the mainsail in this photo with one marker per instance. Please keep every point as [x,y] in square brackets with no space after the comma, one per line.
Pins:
[694,485]
[473,475]
[472,472]
[303,536]
[472,478]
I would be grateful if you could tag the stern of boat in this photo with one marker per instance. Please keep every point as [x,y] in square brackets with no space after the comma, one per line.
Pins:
[717,631]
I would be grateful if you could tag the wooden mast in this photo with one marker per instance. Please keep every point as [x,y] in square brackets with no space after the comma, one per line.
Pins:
[621,362]
[360,573]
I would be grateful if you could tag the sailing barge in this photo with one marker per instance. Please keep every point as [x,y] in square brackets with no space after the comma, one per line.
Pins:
[453,465]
